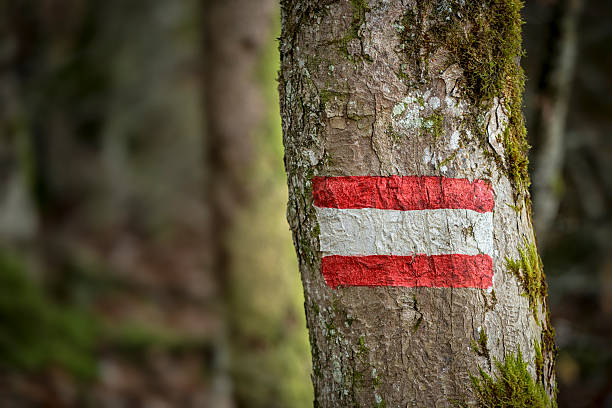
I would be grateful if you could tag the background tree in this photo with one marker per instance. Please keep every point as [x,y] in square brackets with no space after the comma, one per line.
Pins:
[428,89]
[122,278]
[553,100]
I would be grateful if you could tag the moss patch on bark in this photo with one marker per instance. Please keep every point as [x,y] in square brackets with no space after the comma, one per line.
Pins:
[484,39]
[512,386]
[530,274]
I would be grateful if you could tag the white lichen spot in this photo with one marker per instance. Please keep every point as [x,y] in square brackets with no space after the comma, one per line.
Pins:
[455,107]
[377,398]
[398,109]
[374,373]
[434,102]
[426,156]
[331,68]
[399,28]
[443,169]
[337,371]
[407,113]
[312,157]
[450,102]
[454,140]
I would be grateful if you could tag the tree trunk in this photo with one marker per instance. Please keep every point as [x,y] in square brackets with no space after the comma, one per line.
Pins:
[264,336]
[430,93]
[553,101]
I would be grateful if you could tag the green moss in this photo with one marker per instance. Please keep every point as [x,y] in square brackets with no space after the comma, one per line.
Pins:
[548,338]
[316,231]
[528,270]
[360,7]
[433,125]
[358,379]
[547,351]
[363,350]
[394,135]
[447,160]
[516,207]
[417,324]
[484,39]
[331,332]
[326,95]
[490,306]
[512,386]
[539,359]
[480,346]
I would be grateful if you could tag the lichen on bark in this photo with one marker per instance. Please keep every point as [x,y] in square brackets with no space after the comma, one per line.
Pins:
[483,39]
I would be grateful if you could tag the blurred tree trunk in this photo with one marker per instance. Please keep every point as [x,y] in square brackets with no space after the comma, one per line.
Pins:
[18,217]
[265,330]
[427,89]
[552,104]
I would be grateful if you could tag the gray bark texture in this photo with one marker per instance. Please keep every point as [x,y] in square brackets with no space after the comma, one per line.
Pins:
[389,87]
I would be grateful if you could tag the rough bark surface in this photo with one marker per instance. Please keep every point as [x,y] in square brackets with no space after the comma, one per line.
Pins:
[356,102]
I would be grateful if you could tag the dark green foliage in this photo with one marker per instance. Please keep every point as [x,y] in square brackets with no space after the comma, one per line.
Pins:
[37,332]
[512,387]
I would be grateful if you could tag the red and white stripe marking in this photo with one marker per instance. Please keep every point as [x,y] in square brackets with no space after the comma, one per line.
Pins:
[405,231]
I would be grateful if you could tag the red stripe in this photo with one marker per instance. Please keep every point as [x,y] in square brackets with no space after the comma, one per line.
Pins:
[402,193]
[439,271]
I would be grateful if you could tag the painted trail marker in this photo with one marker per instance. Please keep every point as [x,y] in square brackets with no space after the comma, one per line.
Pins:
[405,231]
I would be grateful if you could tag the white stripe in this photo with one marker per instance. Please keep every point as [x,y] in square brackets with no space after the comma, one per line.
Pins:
[371,231]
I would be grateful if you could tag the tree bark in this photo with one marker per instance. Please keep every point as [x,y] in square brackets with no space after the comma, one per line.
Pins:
[407,88]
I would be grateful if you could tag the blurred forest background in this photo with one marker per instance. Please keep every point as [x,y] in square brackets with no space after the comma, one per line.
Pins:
[145,259]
